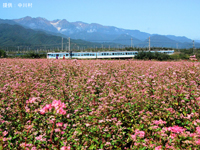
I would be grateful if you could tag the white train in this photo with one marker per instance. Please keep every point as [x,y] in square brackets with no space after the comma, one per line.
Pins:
[93,55]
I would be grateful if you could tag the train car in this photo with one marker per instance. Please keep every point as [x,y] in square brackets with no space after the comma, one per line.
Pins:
[57,55]
[92,55]
[99,55]
[169,52]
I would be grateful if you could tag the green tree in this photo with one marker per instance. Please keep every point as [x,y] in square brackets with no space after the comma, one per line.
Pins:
[2,54]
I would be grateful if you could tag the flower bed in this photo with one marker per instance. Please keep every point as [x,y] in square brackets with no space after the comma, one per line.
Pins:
[99,104]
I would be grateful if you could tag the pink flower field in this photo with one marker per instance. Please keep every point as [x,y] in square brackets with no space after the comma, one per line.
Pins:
[99,104]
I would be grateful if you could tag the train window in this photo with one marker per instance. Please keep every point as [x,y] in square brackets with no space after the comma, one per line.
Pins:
[66,54]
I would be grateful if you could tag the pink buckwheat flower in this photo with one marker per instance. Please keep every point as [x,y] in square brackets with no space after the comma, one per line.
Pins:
[176,129]
[65,148]
[57,105]
[157,122]
[5,133]
[59,124]
[158,148]
[198,142]
[198,130]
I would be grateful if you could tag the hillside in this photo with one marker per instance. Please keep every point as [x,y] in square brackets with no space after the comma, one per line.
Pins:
[12,36]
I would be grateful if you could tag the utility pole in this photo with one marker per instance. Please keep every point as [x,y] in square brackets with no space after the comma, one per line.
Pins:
[109,47]
[62,43]
[193,47]
[149,44]
[70,54]
[131,42]
[69,44]
[177,46]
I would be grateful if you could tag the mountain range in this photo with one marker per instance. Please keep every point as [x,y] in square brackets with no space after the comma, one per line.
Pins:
[16,37]
[101,34]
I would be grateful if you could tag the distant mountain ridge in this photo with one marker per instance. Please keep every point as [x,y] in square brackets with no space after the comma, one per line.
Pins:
[98,33]
[13,36]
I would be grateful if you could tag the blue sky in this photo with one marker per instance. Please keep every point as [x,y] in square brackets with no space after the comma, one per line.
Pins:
[166,17]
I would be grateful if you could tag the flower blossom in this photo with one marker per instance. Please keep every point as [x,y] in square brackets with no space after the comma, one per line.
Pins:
[158,148]
[57,105]
[176,129]
[65,148]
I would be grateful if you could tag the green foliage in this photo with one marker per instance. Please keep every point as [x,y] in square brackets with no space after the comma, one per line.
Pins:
[179,56]
[2,54]
[150,55]
[33,55]
[190,52]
